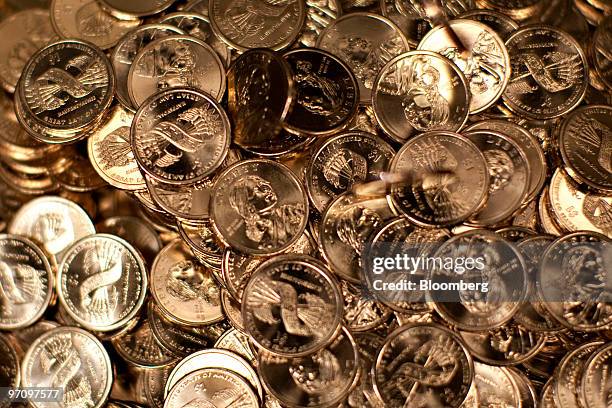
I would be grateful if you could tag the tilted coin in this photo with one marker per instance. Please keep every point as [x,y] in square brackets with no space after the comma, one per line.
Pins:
[319,14]
[321,379]
[73,359]
[135,8]
[484,61]
[153,381]
[530,146]
[510,344]
[25,336]
[595,373]
[10,373]
[528,394]
[23,34]
[183,289]
[515,234]
[292,306]
[139,347]
[128,47]
[414,26]
[423,365]
[420,91]
[345,229]
[232,310]
[214,358]
[65,87]
[180,136]
[189,202]
[365,42]
[495,385]
[503,25]
[26,282]
[577,210]
[176,61]
[343,160]
[571,280]
[549,72]
[547,399]
[473,307]
[259,97]
[135,231]
[259,207]
[586,146]
[202,240]
[198,25]
[54,222]
[111,154]
[600,51]
[33,185]
[451,180]
[102,282]
[218,386]
[197,6]
[549,224]
[238,342]
[509,176]
[248,24]
[86,20]
[284,145]
[569,374]
[80,176]
[327,93]
[532,314]
[363,395]
[182,340]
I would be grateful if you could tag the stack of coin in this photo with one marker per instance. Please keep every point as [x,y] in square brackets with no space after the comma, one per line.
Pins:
[240,203]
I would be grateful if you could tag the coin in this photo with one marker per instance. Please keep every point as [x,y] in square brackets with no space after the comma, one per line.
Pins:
[154,380]
[25,336]
[420,91]
[403,374]
[576,210]
[189,203]
[527,393]
[214,358]
[23,34]
[128,47]
[343,160]
[530,146]
[570,280]
[198,25]
[414,25]
[203,241]
[544,214]
[484,62]
[549,72]
[503,271]
[510,344]
[327,93]
[259,207]
[569,373]
[260,96]
[292,306]
[248,24]
[26,282]
[593,376]
[9,368]
[321,379]
[180,136]
[585,138]
[135,8]
[365,42]
[139,347]
[183,289]
[135,231]
[599,51]
[80,176]
[503,25]
[547,399]
[361,311]
[65,87]
[346,226]
[451,179]
[102,282]
[86,20]
[212,385]
[238,342]
[495,385]
[88,380]
[509,176]
[175,61]
[54,222]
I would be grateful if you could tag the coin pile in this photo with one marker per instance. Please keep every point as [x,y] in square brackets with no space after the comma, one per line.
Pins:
[193,195]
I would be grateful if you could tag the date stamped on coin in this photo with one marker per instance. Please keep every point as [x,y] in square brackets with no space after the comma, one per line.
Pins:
[32,394]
